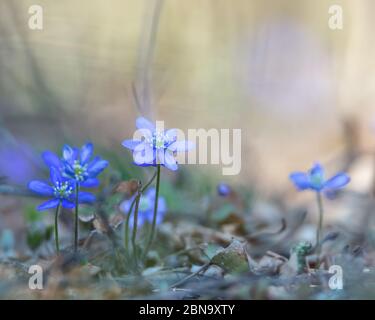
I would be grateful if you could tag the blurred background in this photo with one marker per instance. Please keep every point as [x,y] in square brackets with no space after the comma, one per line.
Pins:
[272,68]
[299,91]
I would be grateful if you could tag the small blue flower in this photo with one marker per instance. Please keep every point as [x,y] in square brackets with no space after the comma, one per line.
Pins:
[76,164]
[17,161]
[314,180]
[146,208]
[156,147]
[61,191]
[223,189]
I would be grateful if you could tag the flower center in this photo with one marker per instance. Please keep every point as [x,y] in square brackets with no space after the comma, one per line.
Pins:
[80,171]
[158,140]
[316,180]
[62,190]
[144,204]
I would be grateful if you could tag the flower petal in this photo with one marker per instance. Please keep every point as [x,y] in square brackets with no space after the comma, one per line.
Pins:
[125,205]
[301,180]
[181,146]
[131,144]
[51,159]
[143,154]
[41,188]
[160,157]
[68,169]
[86,152]
[162,206]
[151,193]
[86,197]
[171,134]
[170,161]
[140,220]
[48,204]
[145,164]
[67,204]
[143,123]
[97,166]
[140,147]
[317,170]
[144,134]
[338,181]
[55,175]
[90,183]
[223,189]
[68,153]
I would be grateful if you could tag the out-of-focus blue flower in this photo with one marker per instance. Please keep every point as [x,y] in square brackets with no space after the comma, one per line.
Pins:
[17,161]
[314,180]
[223,189]
[61,191]
[76,164]
[146,208]
[157,146]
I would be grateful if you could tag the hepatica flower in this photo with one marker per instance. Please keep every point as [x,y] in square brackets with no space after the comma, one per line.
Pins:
[146,208]
[315,180]
[156,145]
[77,164]
[61,193]
[223,189]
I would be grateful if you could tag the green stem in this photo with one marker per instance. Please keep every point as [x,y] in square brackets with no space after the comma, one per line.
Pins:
[76,220]
[135,227]
[57,228]
[149,183]
[153,227]
[320,225]
[126,236]
[126,231]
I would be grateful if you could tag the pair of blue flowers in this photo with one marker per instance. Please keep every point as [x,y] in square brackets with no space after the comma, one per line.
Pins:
[73,170]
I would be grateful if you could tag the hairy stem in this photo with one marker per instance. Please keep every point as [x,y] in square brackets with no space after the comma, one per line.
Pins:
[57,228]
[149,183]
[320,225]
[76,219]
[153,227]
[126,231]
[135,227]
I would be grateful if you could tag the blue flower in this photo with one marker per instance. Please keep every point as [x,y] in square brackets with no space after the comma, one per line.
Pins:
[156,146]
[223,189]
[61,191]
[146,208]
[76,164]
[314,180]
[16,161]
